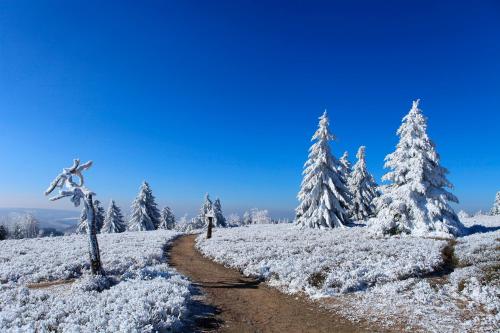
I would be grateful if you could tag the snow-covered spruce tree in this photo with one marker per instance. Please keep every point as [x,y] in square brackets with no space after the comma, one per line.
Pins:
[219,220]
[496,205]
[363,189]
[99,218]
[114,221]
[145,214]
[345,167]
[323,196]
[167,219]
[416,200]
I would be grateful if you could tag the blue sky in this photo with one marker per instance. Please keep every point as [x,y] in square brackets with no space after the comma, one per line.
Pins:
[223,96]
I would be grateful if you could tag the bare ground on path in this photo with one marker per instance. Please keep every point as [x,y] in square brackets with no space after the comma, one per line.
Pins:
[232,302]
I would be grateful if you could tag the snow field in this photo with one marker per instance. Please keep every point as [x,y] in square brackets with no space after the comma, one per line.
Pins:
[424,284]
[145,296]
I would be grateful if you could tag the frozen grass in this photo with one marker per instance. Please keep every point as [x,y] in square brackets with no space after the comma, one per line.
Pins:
[143,294]
[406,282]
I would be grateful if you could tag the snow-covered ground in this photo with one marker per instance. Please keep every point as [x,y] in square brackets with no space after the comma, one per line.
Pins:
[146,295]
[426,284]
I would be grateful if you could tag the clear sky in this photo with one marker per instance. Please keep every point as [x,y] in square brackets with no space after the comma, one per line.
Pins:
[223,96]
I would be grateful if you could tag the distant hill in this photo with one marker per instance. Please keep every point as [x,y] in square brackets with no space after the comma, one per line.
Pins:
[60,220]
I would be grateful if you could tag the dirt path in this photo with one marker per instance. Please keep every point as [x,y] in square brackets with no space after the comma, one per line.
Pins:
[234,303]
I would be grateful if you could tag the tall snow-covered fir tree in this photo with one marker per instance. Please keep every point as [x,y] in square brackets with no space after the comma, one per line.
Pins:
[167,219]
[323,197]
[495,210]
[114,221]
[219,219]
[363,189]
[416,200]
[99,215]
[345,167]
[145,213]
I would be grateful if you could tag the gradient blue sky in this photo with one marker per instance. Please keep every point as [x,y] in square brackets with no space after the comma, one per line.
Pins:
[223,96]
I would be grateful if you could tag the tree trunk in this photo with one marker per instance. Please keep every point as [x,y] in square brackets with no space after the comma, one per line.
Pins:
[209,229]
[95,256]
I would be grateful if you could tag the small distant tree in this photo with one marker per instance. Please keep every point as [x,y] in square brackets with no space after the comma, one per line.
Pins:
[219,219]
[167,219]
[114,221]
[416,199]
[145,214]
[4,232]
[496,205]
[363,189]
[323,196]
[99,218]
[206,208]
[30,226]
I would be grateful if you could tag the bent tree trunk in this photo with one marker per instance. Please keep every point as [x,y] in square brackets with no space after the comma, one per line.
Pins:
[95,257]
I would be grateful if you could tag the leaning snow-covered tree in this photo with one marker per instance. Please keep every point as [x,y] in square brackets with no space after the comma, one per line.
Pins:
[205,209]
[323,197]
[167,219]
[496,205]
[219,219]
[363,189]
[76,193]
[145,213]
[99,218]
[416,200]
[113,222]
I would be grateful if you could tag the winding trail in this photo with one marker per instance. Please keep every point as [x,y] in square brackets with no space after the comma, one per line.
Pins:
[231,302]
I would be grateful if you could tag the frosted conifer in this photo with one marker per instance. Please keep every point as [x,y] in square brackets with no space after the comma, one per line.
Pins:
[496,205]
[145,214]
[113,222]
[167,219]
[416,200]
[345,167]
[323,195]
[363,189]
[219,219]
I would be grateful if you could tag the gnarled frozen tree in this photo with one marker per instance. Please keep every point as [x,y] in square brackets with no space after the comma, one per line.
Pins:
[76,192]
[323,195]
[416,200]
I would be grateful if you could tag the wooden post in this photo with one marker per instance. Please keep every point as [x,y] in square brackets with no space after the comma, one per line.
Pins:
[95,257]
[209,229]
